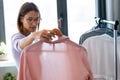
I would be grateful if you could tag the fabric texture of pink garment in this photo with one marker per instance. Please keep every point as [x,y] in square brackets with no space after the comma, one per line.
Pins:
[58,60]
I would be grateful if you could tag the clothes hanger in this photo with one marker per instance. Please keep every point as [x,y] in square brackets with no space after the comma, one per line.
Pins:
[57,32]
[104,26]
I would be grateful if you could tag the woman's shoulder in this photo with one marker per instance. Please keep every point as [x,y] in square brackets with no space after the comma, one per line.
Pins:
[17,35]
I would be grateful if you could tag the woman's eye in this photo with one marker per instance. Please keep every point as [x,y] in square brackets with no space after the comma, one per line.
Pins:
[29,19]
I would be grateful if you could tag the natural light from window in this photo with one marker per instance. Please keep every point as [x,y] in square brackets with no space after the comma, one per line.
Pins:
[81,15]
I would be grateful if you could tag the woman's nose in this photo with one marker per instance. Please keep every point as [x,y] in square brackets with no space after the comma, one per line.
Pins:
[34,23]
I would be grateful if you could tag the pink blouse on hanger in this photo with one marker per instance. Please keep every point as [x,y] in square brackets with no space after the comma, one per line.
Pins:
[58,60]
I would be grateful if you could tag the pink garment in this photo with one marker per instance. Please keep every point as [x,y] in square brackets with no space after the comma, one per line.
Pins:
[58,60]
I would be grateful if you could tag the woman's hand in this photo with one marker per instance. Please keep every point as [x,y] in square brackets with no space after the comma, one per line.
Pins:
[45,35]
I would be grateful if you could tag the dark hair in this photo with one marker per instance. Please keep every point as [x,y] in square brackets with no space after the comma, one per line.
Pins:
[25,8]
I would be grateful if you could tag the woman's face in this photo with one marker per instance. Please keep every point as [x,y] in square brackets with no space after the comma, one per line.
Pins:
[30,21]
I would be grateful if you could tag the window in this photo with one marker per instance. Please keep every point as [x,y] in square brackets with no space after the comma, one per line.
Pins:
[81,15]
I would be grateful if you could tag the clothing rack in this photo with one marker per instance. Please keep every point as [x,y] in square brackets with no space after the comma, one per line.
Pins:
[115,23]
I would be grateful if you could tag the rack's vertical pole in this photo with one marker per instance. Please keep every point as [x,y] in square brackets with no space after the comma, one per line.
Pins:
[115,51]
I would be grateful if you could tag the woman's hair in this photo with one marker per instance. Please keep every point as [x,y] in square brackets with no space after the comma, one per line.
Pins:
[25,8]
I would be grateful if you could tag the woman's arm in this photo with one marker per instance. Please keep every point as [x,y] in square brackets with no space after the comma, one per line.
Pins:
[42,35]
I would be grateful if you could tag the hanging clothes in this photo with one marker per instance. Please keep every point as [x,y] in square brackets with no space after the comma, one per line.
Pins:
[99,43]
[96,31]
[61,59]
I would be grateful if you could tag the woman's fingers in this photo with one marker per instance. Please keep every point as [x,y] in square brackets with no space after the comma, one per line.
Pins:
[50,34]
[47,34]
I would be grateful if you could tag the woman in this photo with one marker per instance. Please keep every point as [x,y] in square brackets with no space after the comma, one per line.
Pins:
[28,25]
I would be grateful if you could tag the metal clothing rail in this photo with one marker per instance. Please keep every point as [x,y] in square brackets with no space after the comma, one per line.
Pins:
[115,23]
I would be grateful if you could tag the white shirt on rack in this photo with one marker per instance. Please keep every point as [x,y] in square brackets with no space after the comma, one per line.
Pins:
[101,55]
